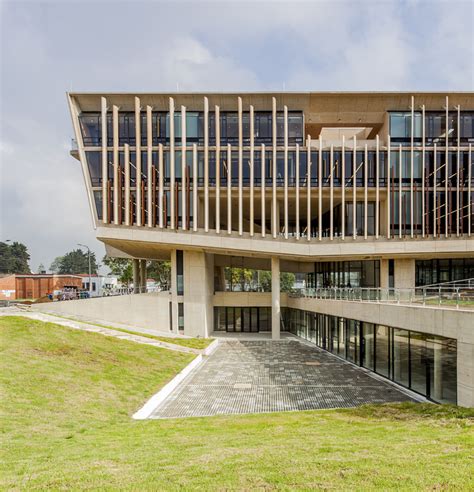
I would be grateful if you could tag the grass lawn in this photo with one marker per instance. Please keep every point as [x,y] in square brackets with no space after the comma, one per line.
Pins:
[67,398]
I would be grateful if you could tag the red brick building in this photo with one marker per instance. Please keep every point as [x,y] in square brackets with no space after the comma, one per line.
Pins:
[33,286]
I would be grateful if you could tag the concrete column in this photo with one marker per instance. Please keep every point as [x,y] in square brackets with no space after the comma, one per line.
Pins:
[343,189]
[320,189]
[404,273]
[218,168]
[240,163]
[138,162]
[183,168]
[126,157]
[142,276]
[275,298]
[384,274]
[115,126]
[366,170]
[309,164]
[136,275]
[229,189]
[174,294]
[160,185]
[297,192]
[149,178]
[377,191]
[276,218]
[262,194]
[388,188]
[286,172]
[105,205]
[354,189]
[274,166]
[206,164]
[331,193]
[195,189]
[252,176]
[172,168]
[198,293]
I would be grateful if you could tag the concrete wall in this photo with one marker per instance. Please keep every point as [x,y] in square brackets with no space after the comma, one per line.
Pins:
[198,293]
[404,273]
[149,311]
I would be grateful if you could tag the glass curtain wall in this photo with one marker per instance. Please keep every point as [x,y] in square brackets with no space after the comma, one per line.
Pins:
[424,363]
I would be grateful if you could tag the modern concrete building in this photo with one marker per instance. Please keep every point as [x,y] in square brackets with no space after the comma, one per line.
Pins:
[368,194]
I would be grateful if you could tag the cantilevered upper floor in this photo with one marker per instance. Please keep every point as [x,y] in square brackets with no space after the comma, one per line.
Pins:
[279,167]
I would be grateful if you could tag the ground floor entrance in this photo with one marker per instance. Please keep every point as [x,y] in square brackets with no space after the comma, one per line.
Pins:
[242,319]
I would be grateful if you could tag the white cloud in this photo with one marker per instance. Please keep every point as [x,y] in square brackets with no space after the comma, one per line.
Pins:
[136,46]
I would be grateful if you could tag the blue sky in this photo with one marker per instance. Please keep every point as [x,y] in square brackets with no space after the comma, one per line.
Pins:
[48,48]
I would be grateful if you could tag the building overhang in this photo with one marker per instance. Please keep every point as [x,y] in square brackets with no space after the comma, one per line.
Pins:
[155,243]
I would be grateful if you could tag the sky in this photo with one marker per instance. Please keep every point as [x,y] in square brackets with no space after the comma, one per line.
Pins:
[49,48]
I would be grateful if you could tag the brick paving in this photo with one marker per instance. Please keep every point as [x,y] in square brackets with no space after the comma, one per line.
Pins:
[265,376]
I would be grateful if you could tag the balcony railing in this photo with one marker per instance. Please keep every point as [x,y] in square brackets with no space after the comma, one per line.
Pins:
[457,296]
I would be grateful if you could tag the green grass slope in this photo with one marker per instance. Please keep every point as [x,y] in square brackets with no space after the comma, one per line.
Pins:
[67,398]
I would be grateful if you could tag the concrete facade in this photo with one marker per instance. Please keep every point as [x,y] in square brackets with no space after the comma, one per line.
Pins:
[278,182]
[149,311]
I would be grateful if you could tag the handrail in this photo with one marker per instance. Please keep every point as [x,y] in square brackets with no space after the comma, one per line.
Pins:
[446,296]
[468,282]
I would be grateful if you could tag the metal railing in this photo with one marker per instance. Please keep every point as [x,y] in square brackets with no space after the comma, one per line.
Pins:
[74,294]
[451,296]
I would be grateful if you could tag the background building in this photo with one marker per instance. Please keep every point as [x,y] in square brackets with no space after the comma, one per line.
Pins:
[101,284]
[34,286]
[353,190]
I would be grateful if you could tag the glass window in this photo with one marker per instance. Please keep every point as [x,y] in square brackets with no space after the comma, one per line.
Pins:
[401,358]
[382,350]
[368,345]
[352,340]
[94,163]
[91,128]
[419,362]
[443,377]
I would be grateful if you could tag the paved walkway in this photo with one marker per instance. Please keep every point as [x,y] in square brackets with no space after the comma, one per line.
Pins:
[244,376]
[79,325]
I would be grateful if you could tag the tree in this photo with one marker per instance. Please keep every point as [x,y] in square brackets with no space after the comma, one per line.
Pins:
[14,258]
[41,268]
[160,271]
[120,267]
[74,262]
[287,281]
[239,276]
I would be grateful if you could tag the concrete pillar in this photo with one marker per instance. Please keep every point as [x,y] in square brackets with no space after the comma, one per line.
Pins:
[136,275]
[404,273]
[275,298]
[198,293]
[384,274]
[142,276]
[174,294]
[276,224]
[138,162]
[105,177]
